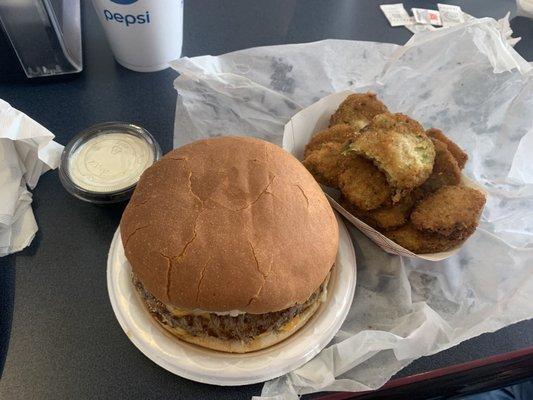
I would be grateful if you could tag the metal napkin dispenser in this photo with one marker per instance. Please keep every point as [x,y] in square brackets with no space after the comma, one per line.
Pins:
[44,34]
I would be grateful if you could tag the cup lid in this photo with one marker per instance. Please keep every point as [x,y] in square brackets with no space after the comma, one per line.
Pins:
[103,163]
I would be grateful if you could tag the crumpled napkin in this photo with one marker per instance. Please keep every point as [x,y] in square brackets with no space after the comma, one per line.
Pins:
[26,152]
[466,80]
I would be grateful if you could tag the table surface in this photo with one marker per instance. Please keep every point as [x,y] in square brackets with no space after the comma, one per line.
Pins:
[64,339]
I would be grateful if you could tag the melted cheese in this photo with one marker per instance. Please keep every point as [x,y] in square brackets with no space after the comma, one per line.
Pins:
[291,324]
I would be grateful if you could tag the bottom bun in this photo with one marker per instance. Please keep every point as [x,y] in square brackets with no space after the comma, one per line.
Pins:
[262,341]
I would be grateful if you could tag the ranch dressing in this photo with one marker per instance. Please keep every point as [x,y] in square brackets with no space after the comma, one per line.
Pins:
[109,162]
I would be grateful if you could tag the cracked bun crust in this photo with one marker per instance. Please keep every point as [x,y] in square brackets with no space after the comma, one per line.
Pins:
[230,223]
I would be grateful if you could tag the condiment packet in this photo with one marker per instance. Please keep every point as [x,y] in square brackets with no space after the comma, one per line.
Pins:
[450,15]
[415,28]
[396,14]
[424,16]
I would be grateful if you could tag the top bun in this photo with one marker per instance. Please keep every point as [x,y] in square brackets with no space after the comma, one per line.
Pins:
[230,223]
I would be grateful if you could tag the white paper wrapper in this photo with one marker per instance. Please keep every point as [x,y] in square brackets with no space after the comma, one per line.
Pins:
[26,151]
[299,131]
[466,80]
[254,92]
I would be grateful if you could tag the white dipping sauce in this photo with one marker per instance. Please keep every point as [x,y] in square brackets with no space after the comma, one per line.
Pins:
[110,162]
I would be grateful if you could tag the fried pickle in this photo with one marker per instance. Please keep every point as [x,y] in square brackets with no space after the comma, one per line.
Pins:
[384,217]
[326,163]
[460,156]
[335,134]
[452,211]
[363,184]
[358,110]
[445,172]
[421,242]
[398,146]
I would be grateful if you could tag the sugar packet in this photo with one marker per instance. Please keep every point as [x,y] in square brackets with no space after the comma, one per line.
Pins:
[423,16]
[450,15]
[396,14]
[415,28]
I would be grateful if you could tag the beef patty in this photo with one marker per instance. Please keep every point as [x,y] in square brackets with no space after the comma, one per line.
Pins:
[242,327]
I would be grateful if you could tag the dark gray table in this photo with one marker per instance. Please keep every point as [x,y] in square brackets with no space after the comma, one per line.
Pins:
[65,342]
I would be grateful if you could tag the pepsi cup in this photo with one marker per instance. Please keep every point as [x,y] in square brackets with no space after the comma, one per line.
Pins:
[144,35]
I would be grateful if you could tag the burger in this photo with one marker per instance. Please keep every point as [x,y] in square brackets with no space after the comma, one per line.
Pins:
[231,243]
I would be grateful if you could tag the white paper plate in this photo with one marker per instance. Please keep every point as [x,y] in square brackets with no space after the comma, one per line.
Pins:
[213,367]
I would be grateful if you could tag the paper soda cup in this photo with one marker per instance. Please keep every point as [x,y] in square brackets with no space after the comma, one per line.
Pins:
[144,35]
[299,131]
